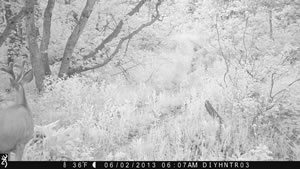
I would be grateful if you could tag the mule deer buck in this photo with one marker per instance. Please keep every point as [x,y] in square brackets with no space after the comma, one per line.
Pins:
[16,122]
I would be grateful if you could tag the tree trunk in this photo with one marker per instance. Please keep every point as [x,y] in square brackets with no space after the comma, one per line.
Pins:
[46,35]
[34,50]
[72,41]
[11,23]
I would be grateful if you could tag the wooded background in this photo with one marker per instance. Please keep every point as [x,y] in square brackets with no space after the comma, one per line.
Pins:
[158,79]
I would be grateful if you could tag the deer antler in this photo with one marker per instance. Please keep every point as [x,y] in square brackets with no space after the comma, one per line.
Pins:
[9,69]
[21,74]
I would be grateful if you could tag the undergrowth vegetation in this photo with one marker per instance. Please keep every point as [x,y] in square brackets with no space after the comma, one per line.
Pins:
[97,120]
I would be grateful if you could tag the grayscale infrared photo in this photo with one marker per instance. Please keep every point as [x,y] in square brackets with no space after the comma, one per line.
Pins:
[196,82]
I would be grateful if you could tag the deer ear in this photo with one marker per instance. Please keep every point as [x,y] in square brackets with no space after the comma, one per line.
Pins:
[28,76]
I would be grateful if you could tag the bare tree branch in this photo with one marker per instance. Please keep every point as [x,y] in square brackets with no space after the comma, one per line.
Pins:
[222,53]
[212,112]
[283,90]
[119,45]
[244,35]
[115,32]
[272,85]
[270,23]
[126,49]
[126,70]
[293,82]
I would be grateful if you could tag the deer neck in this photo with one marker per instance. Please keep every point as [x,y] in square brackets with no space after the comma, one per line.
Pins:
[20,97]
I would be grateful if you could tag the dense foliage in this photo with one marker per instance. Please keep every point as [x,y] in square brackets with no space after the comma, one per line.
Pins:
[147,103]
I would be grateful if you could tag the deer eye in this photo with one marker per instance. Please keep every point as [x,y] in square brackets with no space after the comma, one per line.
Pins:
[7,90]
